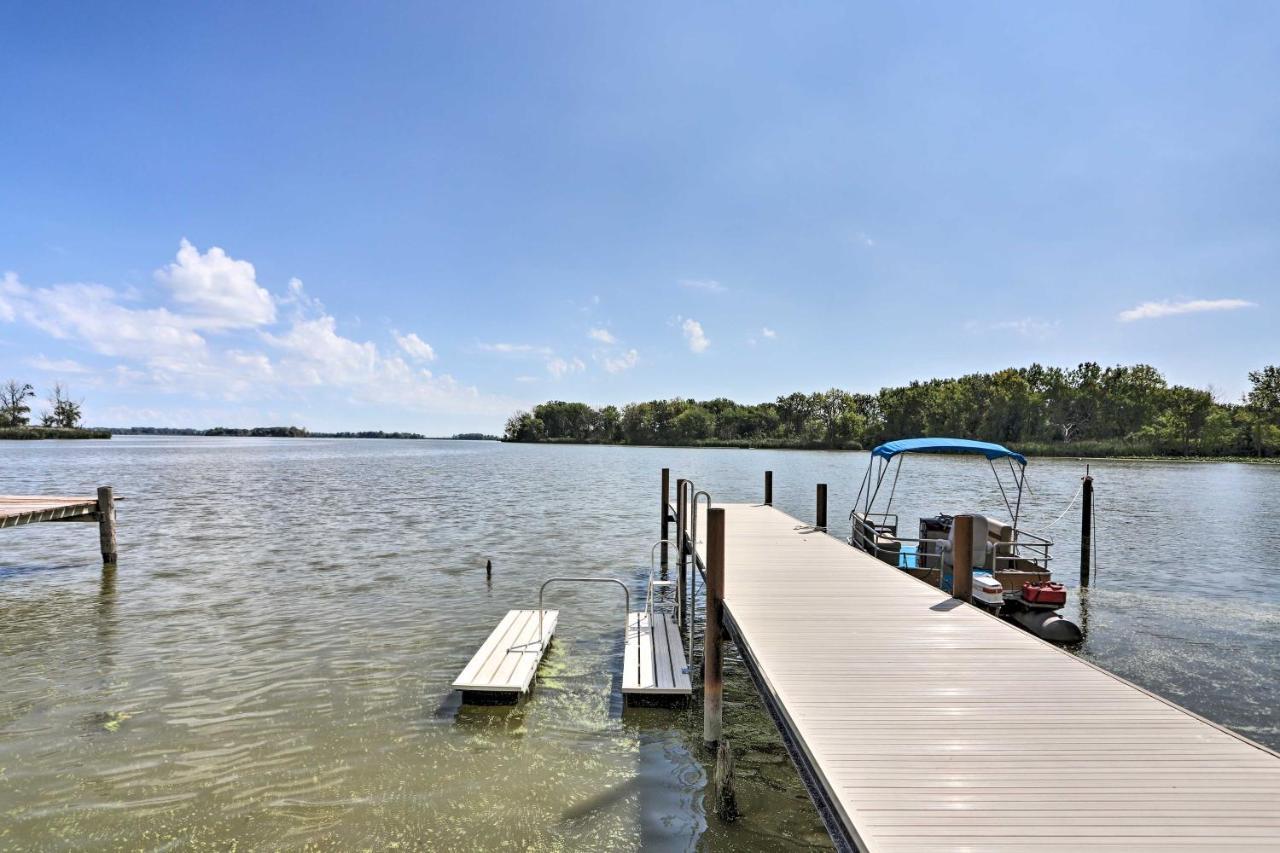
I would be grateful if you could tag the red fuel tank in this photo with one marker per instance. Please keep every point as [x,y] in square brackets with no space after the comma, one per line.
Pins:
[1051,592]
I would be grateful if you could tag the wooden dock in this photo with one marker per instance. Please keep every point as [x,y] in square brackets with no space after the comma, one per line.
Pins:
[924,724]
[17,510]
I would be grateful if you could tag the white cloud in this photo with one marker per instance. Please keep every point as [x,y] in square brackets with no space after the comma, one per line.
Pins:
[162,349]
[602,335]
[693,333]
[710,285]
[768,333]
[414,346]
[1026,327]
[10,289]
[558,367]
[59,365]
[1152,310]
[516,349]
[218,291]
[90,313]
[626,361]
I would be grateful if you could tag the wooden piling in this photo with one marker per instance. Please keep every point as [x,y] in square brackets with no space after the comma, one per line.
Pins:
[713,664]
[107,524]
[1086,529]
[821,513]
[726,805]
[666,510]
[768,488]
[962,558]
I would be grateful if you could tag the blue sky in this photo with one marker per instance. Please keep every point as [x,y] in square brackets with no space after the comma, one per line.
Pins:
[403,216]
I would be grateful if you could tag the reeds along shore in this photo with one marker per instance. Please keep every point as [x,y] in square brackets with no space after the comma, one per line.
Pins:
[34,433]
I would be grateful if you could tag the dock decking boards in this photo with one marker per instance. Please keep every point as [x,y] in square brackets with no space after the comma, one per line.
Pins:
[509,658]
[930,725]
[16,510]
[653,663]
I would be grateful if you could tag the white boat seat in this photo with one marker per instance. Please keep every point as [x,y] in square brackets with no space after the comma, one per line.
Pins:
[981,549]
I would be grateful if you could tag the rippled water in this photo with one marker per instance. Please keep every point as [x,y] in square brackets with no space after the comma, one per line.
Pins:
[271,661]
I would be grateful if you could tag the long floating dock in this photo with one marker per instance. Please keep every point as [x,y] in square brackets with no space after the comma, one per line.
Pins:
[924,724]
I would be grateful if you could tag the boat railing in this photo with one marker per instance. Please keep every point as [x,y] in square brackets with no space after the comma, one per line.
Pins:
[1024,548]
[868,530]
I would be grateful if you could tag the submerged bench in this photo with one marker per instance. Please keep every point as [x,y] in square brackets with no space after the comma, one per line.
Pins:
[509,658]
[653,663]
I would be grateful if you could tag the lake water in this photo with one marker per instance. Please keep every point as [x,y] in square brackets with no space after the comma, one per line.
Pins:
[271,662]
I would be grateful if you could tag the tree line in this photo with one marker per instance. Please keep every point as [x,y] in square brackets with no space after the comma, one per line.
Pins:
[1118,410]
[62,412]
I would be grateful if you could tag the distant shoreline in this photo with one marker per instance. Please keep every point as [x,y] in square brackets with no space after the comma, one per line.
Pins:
[48,433]
[1063,452]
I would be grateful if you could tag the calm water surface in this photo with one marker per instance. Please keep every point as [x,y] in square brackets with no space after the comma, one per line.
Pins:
[271,662]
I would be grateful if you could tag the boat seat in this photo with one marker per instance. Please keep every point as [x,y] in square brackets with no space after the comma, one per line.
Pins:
[981,550]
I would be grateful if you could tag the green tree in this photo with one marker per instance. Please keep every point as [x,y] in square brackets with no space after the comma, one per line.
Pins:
[523,426]
[64,413]
[14,411]
[693,424]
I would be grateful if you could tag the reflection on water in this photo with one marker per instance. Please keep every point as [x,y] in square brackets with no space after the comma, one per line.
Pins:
[271,661]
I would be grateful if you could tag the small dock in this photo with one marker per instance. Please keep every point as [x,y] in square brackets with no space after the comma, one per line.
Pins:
[509,658]
[17,510]
[653,663]
[921,723]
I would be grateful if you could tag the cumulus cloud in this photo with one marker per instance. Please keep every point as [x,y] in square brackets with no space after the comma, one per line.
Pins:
[626,361]
[768,333]
[163,348]
[1153,310]
[558,367]
[708,285]
[694,335]
[415,347]
[217,290]
[92,314]
[602,335]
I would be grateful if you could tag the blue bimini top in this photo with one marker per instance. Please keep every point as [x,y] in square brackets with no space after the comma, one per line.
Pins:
[890,449]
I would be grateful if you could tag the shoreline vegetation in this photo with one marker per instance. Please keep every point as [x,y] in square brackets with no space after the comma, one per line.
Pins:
[25,433]
[1128,412]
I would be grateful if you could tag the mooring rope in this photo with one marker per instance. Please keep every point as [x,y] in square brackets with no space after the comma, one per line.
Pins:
[1070,504]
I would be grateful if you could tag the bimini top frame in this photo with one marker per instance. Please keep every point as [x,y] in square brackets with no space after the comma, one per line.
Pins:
[874,479]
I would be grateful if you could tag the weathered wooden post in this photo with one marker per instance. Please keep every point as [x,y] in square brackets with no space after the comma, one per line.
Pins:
[726,805]
[681,587]
[962,558]
[768,488]
[1086,529]
[821,522]
[107,525]
[666,508]
[713,664]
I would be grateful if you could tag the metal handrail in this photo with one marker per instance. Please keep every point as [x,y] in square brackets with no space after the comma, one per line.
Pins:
[648,609]
[626,619]
[653,568]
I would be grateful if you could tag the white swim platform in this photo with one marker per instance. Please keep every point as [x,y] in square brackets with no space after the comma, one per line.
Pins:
[654,661]
[509,658]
